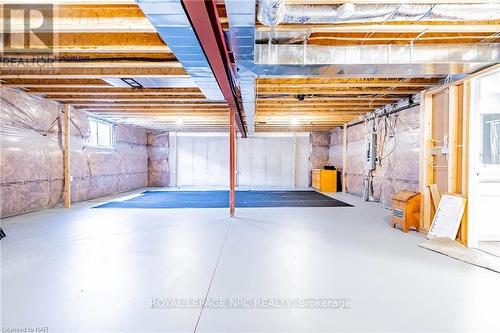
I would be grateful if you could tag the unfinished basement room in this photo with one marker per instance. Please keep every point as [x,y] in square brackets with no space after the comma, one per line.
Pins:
[250,166]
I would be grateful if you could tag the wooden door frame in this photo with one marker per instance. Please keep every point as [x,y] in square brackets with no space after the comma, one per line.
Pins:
[459,104]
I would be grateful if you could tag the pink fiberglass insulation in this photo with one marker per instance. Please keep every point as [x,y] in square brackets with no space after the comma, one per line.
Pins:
[336,148]
[32,156]
[158,164]
[399,154]
[320,145]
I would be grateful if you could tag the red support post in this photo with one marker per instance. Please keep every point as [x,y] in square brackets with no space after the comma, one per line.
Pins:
[206,24]
[232,161]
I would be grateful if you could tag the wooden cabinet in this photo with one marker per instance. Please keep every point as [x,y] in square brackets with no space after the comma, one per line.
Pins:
[406,210]
[324,180]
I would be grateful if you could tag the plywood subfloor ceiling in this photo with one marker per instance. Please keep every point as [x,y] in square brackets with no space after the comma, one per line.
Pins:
[96,41]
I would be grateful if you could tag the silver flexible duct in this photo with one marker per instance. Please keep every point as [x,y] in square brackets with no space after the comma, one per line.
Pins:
[271,12]
[274,12]
[308,13]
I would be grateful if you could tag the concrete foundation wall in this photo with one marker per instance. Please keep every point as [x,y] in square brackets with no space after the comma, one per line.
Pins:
[31,156]
[399,169]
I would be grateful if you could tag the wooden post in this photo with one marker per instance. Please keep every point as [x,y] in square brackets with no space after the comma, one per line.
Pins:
[463,231]
[453,105]
[436,196]
[67,155]
[426,170]
[344,160]
[232,159]
[176,163]
[294,157]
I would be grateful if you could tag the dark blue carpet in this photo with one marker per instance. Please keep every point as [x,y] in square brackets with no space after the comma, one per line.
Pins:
[220,199]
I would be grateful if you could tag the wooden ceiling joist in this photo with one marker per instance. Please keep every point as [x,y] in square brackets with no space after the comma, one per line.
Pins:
[343,85]
[163,54]
[316,98]
[322,102]
[179,100]
[318,108]
[115,63]
[312,115]
[147,106]
[90,72]
[276,103]
[173,114]
[116,91]
[143,107]
[57,83]
[117,103]
[93,17]
[154,99]
[91,41]
[351,91]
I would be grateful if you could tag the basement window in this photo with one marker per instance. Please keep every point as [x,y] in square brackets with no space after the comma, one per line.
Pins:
[101,133]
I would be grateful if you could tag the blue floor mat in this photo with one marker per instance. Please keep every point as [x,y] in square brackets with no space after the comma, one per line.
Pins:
[220,199]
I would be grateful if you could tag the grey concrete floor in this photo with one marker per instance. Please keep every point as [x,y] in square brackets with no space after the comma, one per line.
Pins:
[110,270]
[490,247]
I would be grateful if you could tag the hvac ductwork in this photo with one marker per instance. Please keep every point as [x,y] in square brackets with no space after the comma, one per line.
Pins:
[275,12]
[271,60]
[376,54]
[241,20]
[170,20]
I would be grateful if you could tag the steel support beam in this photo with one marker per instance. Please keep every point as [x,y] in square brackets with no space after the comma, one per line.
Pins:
[206,25]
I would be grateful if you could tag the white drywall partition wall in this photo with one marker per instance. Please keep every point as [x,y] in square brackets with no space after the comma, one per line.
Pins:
[267,160]
[273,161]
[202,161]
[302,153]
